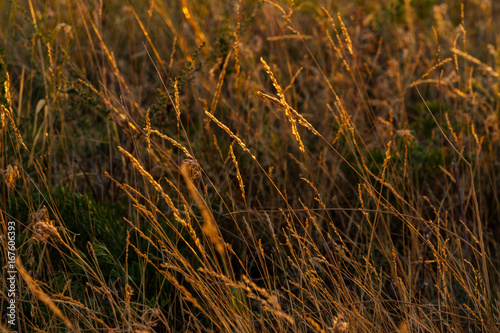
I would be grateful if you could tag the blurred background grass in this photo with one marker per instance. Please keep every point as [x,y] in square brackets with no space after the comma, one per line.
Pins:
[160,181]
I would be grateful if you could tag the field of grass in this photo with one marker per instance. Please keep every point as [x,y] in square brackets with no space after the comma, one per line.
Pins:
[250,166]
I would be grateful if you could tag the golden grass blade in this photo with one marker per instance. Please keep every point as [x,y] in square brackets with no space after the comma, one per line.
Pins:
[238,174]
[200,36]
[137,165]
[228,131]
[210,228]
[41,295]
[7,112]
[476,61]
[113,63]
[150,42]
[175,143]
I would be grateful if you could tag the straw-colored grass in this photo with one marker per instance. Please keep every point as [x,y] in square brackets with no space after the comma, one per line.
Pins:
[251,166]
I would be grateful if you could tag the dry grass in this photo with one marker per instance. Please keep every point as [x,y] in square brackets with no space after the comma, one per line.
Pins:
[256,166]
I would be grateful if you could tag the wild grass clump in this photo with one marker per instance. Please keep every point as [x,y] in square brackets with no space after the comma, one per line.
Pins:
[256,166]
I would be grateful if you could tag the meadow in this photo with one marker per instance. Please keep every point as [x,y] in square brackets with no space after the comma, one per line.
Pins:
[250,166]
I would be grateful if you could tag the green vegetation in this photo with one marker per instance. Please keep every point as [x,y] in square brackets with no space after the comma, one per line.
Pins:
[251,166]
